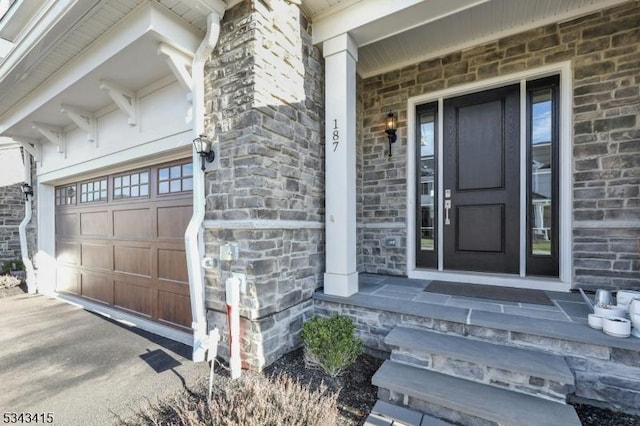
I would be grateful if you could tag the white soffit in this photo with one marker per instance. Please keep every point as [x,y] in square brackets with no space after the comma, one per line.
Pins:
[75,32]
[421,29]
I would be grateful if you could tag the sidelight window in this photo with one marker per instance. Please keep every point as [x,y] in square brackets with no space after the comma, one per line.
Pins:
[426,213]
[542,148]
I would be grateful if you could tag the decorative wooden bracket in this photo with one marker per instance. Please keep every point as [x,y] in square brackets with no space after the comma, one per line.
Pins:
[30,145]
[54,134]
[179,63]
[125,99]
[85,120]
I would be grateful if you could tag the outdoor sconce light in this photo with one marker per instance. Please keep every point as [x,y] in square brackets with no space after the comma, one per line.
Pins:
[203,147]
[390,127]
[27,190]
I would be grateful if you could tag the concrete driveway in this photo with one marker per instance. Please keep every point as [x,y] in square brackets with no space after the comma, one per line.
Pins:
[83,368]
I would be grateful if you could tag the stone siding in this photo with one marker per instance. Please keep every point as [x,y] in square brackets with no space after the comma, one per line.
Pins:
[265,103]
[604,48]
[604,375]
[11,214]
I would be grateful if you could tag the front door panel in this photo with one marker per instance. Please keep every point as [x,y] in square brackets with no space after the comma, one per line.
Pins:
[482,181]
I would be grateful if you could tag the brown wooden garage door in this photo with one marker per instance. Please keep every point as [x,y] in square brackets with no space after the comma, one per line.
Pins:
[120,241]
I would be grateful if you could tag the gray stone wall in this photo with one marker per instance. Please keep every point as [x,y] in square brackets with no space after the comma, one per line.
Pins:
[604,48]
[265,108]
[11,214]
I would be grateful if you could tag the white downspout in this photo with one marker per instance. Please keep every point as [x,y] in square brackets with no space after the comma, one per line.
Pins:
[22,228]
[193,236]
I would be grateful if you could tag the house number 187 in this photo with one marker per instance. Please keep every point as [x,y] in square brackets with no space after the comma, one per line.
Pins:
[336,135]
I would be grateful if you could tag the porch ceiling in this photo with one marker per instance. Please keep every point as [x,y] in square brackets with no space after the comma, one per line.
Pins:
[421,29]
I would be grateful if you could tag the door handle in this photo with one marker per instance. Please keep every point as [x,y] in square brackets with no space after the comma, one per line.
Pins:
[447,207]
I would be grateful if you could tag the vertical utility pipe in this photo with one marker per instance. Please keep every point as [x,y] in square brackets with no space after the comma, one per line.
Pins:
[233,314]
[22,228]
[193,235]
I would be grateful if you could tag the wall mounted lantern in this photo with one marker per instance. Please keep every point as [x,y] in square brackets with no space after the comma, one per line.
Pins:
[204,147]
[390,127]
[26,191]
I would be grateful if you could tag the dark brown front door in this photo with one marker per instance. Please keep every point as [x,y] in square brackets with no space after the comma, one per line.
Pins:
[120,241]
[482,181]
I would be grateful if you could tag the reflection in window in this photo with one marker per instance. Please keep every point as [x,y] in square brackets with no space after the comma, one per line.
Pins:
[66,195]
[427,169]
[93,191]
[131,185]
[541,171]
[176,178]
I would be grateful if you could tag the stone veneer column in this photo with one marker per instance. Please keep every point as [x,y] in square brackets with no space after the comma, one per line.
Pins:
[341,54]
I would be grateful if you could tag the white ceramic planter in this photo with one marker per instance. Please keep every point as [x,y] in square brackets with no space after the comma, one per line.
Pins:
[610,311]
[634,314]
[616,326]
[595,321]
[624,297]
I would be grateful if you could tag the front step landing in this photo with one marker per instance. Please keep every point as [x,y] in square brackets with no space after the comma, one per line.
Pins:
[464,402]
[540,374]
[385,414]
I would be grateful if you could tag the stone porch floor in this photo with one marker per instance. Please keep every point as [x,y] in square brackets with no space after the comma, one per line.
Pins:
[567,306]
[566,319]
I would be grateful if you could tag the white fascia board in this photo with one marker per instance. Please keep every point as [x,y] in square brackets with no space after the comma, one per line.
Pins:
[16,21]
[147,17]
[207,6]
[153,151]
[410,18]
[354,16]
[373,20]
[5,47]
[172,31]
[7,142]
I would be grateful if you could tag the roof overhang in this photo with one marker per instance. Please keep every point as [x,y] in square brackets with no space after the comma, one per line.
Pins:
[126,55]
[393,34]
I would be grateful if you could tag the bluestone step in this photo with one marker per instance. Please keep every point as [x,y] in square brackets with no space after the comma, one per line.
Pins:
[385,414]
[528,371]
[472,399]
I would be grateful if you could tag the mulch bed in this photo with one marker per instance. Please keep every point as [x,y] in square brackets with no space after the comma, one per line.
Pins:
[356,393]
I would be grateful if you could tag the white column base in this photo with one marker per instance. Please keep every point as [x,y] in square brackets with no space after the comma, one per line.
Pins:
[340,285]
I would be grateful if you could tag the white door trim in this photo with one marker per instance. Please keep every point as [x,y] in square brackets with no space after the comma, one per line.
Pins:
[563,283]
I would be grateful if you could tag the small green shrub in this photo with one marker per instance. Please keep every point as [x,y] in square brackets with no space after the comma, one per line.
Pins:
[12,265]
[8,281]
[330,344]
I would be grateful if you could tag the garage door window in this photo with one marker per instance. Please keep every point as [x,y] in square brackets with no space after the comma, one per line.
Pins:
[176,178]
[93,191]
[131,185]
[66,196]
